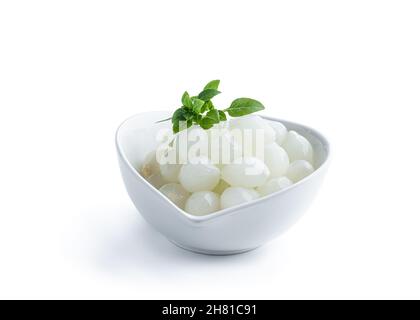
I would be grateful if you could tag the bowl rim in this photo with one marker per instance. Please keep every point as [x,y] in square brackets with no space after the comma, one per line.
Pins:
[235,209]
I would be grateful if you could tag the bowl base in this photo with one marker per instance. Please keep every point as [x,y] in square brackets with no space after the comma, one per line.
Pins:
[212,252]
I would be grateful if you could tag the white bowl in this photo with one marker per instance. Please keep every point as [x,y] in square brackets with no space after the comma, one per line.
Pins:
[233,230]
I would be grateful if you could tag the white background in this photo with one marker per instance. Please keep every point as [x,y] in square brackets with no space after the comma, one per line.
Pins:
[71,71]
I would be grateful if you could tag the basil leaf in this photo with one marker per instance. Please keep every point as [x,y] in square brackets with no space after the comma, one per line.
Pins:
[181,124]
[243,106]
[178,115]
[197,104]
[222,115]
[186,100]
[200,109]
[210,119]
[205,123]
[208,94]
[175,127]
[213,115]
[214,84]
[208,105]
[189,116]
[197,118]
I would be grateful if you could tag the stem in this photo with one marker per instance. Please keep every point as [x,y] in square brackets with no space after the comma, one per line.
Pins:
[164,120]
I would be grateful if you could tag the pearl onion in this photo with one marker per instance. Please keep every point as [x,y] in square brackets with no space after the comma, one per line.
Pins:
[234,196]
[274,185]
[191,143]
[156,180]
[202,203]
[150,165]
[169,168]
[276,159]
[299,169]
[199,175]
[298,147]
[176,193]
[223,149]
[170,172]
[254,125]
[247,172]
[281,131]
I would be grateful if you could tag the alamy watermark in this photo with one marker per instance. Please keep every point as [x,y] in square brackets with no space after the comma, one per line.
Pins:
[218,146]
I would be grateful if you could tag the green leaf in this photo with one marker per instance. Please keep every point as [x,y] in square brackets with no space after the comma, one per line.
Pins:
[208,105]
[178,115]
[188,114]
[181,115]
[210,119]
[197,118]
[186,100]
[206,123]
[197,105]
[175,127]
[213,115]
[214,84]
[200,109]
[243,106]
[181,124]
[208,94]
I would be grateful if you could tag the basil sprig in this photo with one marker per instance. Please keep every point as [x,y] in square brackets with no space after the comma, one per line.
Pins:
[200,109]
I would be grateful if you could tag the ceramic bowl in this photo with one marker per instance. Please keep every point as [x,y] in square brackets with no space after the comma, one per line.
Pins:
[229,231]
